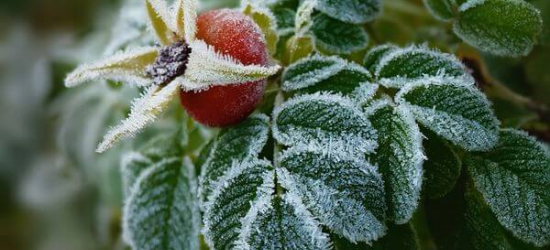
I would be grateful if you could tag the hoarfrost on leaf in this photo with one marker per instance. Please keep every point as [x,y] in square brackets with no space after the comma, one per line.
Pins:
[207,68]
[351,11]
[401,66]
[326,120]
[442,167]
[514,178]
[144,111]
[501,27]
[235,197]
[457,112]
[336,37]
[162,210]
[441,9]
[126,66]
[345,193]
[232,147]
[399,157]
[311,70]
[282,222]
[373,57]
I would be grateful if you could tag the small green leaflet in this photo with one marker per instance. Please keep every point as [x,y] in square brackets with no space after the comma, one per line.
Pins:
[341,77]
[325,120]
[501,27]
[351,11]
[373,57]
[336,37]
[233,146]
[243,213]
[345,193]
[443,10]
[481,229]
[455,111]
[402,237]
[283,223]
[399,157]
[162,209]
[285,20]
[442,167]
[402,66]
[514,178]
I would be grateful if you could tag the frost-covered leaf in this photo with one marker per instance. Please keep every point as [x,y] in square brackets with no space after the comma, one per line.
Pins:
[132,165]
[283,223]
[401,66]
[311,70]
[373,57]
[232,200]
[336,37]
[443,10]
[481,229]
[442,167]
[127,66]
[501,27]
[303,21]
[329,74]
[455,111]
[399,157]
[185,18]
[399,237]
[326,120]
[351,11]
[267,22]
[285,20]
[208,68]
[144,111]
[514,178]
[233,146]
[160,21]
[162,210]
[345,193]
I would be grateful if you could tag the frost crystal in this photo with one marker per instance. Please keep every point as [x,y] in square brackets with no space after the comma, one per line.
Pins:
[325,120]
[514,179]
[399,157]
[399,67]
[455,111]
[346,194]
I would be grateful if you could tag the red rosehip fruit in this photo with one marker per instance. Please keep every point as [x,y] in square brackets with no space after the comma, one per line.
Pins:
[231,33]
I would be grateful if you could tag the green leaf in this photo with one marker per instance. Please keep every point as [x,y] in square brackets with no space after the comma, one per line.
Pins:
[501,27]
[351,11]
[162,210]
[401,66]
[267,22]
[283,223]
[285,20]
[341,77]
[482,231]
[346,194]
[233,146]
[514,178]
[231,201]
[373,57]
[442,167]
[443,10]
[401,237]
[399,157]
[336,37]
[457,112]
[310,71]
[323,120]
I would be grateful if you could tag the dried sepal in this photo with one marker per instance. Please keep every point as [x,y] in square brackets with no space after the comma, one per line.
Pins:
[208,68]
[186,19]
[127,66]
[160,21]
[144,111]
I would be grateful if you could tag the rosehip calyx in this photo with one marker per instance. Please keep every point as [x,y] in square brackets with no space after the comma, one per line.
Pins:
[170,63]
